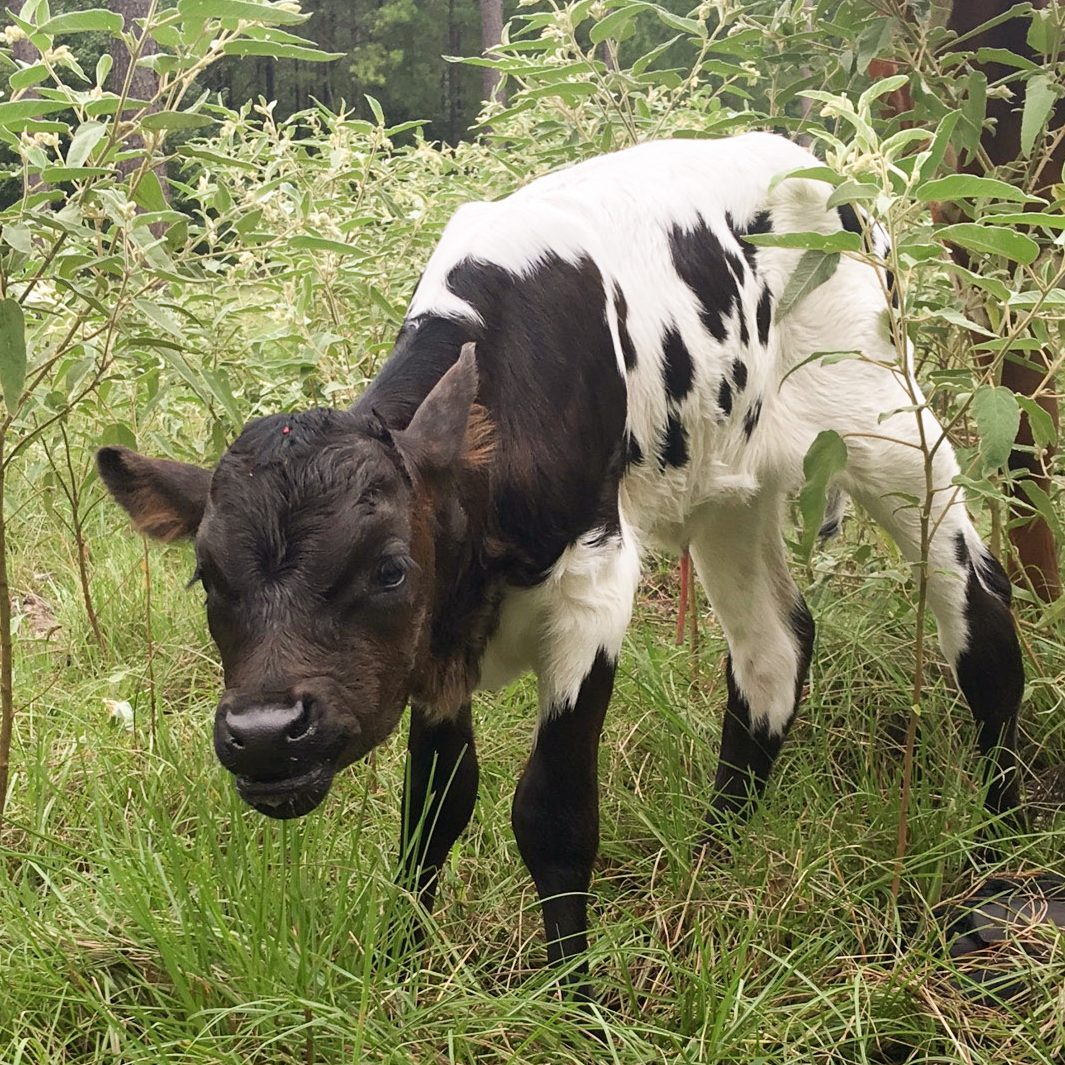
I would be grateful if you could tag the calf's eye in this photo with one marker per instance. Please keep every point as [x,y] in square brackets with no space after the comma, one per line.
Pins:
[391,573]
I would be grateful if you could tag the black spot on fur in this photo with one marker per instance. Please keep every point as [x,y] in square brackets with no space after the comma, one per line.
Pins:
[702,264]
[633,451]
[739,374]
[990,673]
[760,223]
[724,396]
[621,308]
[961,551]
[849,220]
[748,749]
[991,571]
[674,449]
[735,263]
[750,419]
[745,336]
[765,316]
[677,368]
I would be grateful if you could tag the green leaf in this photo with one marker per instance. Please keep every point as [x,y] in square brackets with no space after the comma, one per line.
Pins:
[1031,218]
[616,25]
[985,282]
[814,269]
[853,192]
[20,110]
[240,9]
[394,313]
[676,22]
[309,243]
[881,88]
[96,19]
[194,152]
[973,110]
[971,186]
[1045,507]
[955,317]
[570,91]
[117,434]
[219,387]
[72,173]
[991,240]
[85,138]
[815,173]
[826,458]
[978,486]
[1039,99]
[175,120]
[375,109]
[12,352]
[161,63]
[1044,434]
[28,76]
[148,194]
[843,240]
[931,158]
[997,418]
[161,316]
[279,50]
[18,236]
[1005,57]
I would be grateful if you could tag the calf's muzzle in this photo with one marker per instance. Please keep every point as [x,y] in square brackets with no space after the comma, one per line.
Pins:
[282,749]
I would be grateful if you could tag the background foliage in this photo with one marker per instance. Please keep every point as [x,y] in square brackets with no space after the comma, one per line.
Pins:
[174,264]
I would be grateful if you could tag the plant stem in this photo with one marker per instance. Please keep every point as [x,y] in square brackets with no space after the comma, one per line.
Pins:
[7,701]
[148,640]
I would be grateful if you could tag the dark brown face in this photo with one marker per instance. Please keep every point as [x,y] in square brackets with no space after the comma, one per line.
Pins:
[316,568]
[315,543]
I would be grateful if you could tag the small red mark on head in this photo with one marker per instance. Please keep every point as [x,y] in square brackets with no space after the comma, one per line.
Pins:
[286,431]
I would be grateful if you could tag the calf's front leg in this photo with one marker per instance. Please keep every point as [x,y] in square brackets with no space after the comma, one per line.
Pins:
[556,811]
[438,796]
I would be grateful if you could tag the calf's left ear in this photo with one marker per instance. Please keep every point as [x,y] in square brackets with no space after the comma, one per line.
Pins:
[446,429]
[165,499]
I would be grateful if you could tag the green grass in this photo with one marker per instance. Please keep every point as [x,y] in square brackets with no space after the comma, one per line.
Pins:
[147,915]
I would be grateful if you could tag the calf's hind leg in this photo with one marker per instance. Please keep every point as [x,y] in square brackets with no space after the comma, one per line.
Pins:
[968,590]
[740,557]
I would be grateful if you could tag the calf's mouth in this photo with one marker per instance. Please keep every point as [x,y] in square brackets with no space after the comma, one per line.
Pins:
[288,797]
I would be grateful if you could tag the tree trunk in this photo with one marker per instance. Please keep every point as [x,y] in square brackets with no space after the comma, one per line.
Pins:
[491,36]
[1033,538]
[143,82]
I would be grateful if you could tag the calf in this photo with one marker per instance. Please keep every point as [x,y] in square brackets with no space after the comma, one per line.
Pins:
[587,367]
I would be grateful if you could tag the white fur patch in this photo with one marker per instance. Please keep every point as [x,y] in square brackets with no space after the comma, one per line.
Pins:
[558,627]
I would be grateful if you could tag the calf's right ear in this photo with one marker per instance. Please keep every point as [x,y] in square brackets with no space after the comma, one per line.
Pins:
[165,499]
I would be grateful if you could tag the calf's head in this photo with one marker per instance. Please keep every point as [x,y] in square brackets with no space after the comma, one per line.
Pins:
[316,544]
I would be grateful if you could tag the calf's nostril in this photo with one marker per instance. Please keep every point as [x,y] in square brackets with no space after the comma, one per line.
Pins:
[301,725]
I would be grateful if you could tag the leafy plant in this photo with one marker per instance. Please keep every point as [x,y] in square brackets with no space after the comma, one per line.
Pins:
[93,252]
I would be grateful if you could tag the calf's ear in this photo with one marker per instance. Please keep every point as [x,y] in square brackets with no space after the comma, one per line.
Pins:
[165,499]
[448,428]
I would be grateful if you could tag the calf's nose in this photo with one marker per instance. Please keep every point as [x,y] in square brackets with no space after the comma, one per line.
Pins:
[265,741]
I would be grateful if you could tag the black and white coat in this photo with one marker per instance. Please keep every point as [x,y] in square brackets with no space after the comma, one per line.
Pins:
[613,337]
